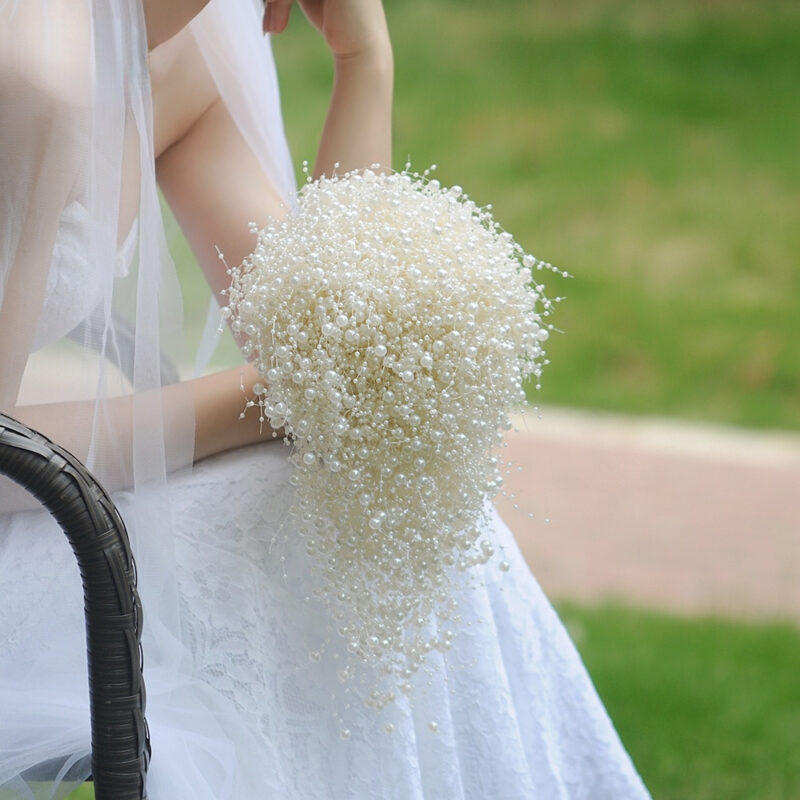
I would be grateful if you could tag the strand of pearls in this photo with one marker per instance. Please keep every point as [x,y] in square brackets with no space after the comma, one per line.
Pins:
[394,323]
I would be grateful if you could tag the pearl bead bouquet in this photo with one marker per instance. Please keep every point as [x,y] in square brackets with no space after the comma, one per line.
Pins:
[394,322]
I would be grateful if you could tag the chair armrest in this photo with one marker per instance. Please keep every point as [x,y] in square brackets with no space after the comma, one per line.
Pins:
[97,535]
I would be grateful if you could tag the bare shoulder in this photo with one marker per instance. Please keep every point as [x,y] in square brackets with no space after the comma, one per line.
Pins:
[54,69]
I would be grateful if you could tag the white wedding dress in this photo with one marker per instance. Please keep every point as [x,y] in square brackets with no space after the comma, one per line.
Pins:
[244,700]
[515,713]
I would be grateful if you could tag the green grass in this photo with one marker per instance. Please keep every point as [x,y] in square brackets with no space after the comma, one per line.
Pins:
[707,709]
[85,792]
[648,148]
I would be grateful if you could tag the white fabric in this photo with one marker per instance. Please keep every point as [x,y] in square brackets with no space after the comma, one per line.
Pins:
[237,709]
[517,713]
[518,716]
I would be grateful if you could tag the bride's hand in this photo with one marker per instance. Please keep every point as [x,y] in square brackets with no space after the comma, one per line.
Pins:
[350,28]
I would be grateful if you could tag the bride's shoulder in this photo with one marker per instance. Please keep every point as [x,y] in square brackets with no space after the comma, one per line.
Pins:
[45,53]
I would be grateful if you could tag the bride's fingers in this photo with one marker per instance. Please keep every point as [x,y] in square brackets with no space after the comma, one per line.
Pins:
[276,15]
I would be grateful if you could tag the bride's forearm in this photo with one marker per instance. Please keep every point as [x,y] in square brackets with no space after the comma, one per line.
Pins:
[219,402]
[358,126]
[215,401]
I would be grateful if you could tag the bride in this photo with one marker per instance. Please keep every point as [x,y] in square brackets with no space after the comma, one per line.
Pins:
[98,99]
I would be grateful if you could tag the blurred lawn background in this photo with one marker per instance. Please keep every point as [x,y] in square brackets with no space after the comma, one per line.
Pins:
[648,148]
[651,149]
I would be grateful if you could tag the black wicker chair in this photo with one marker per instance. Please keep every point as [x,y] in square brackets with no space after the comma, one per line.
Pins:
[120,739]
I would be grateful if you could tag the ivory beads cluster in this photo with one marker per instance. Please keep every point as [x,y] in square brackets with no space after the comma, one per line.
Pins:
[394,323]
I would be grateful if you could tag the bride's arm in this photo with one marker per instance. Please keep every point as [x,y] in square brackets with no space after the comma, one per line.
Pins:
[357,130]
[217,399]
[210,177]
[164,20]
[214,183]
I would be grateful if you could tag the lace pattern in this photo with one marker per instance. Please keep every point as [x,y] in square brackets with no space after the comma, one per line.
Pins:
[514,712]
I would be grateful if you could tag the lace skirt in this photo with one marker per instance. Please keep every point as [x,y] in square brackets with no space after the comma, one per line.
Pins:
[250,706]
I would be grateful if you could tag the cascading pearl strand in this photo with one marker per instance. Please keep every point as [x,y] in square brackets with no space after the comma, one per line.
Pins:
[394,322]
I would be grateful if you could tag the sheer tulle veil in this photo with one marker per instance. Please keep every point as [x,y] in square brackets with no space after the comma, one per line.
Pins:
[91,329]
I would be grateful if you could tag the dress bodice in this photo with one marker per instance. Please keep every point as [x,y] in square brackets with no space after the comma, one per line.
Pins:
[74,284]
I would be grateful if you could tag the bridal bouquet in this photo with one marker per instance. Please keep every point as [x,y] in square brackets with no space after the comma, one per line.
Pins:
[394,323]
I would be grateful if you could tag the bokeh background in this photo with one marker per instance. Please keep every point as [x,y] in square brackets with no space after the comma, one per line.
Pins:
[651,149]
